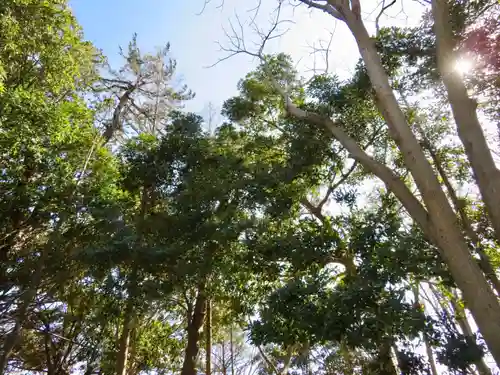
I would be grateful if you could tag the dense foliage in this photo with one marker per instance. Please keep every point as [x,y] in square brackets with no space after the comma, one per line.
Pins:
[135,241]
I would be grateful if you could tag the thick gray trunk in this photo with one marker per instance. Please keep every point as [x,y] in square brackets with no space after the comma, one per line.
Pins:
[430,356]
[463,107]
[484,261]
[446,233]
[437,219]
[383,364]
[466,329]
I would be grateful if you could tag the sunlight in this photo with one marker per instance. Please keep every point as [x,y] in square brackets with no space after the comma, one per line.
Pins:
[463,66]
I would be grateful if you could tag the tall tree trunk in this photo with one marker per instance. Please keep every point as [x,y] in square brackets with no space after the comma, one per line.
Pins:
[484,261]
[345,352]
[463,107]
[193,332]
[444,230]
[129,314]
[208,338]
[11,340]
[428,348]
[466,329]
[232,349]
[450,307]
[128,321]
[132,368]
[430,356]
[124,343]
[51,366]
[383,363]
[224,363]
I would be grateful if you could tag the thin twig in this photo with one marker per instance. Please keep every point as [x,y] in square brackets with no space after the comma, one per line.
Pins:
[327,8]
[384,8]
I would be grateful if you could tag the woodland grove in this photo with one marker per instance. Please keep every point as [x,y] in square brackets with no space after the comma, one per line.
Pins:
[324,225]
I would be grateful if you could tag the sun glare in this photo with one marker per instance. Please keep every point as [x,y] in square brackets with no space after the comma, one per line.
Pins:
[463,66]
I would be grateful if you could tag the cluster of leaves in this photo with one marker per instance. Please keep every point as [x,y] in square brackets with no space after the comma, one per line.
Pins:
[120,216]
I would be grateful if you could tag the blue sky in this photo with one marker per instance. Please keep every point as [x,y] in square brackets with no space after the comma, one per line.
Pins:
[111,23]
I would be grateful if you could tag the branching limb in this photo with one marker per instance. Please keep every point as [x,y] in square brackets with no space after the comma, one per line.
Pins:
[206,2]
[391,180]
[286,360]
[324,50]
[325,7]
[236,37]
[273,33]
[255,11]
[384,8]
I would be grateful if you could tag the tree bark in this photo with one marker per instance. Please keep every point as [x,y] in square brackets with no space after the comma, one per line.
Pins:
[9,344]
[469,129]
[193,331]
[466,329]
[383,364]
[345,352]
[132,367]
[428,348]
[444,228]
[128,320]
[232,349]
[430,356]
[124,344]
[208,338]
[484,261]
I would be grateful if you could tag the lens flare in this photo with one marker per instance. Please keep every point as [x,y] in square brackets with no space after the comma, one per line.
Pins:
[463,66]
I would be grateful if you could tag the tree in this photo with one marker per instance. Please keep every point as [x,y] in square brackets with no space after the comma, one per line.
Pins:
[142,92]
[264,245]
[48,139]
[434,214]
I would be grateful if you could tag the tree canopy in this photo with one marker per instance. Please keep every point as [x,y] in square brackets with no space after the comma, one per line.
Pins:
[331,225]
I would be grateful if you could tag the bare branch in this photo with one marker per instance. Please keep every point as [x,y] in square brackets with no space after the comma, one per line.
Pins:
[236,38]
[206,2]
[325,51]
[390,179]
[314,210]
[115,124]
[344,176]
[256,10]
[329,193]
[272,33]
[384,8]
[327,8]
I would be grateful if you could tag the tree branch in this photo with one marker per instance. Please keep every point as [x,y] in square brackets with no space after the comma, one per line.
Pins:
[384,8]
[327,8]
[391,180]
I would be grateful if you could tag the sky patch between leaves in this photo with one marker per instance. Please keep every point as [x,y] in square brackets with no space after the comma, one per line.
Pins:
[194,37]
